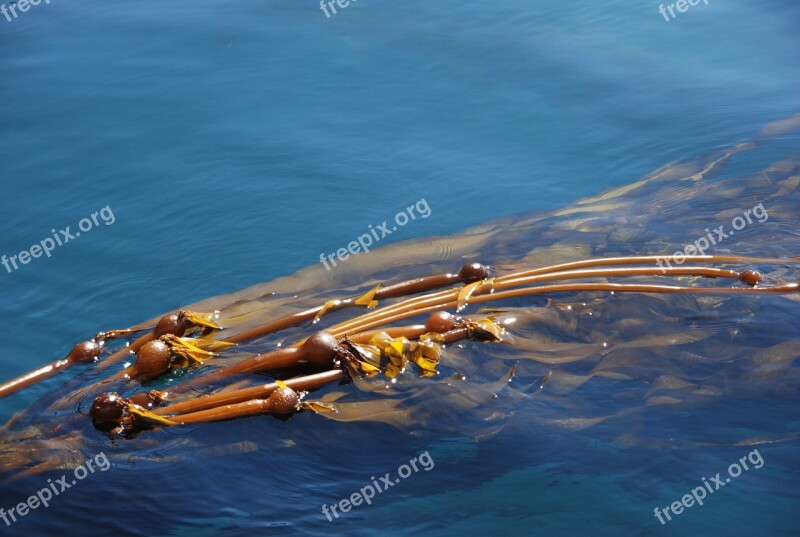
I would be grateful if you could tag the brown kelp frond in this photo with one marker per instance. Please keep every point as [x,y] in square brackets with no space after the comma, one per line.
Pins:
[601,333]
[390,354]
[375,354]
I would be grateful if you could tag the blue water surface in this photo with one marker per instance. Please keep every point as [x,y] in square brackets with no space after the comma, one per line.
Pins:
[235,142]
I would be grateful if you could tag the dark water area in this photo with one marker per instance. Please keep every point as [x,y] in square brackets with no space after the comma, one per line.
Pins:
[233,144]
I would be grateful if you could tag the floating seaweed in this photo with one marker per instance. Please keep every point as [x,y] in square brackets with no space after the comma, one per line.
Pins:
[595,286]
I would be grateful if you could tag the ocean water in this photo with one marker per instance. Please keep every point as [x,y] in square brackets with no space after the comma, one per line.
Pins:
[233,143]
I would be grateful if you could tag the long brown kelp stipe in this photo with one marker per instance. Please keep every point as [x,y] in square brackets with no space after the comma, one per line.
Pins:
[362,347]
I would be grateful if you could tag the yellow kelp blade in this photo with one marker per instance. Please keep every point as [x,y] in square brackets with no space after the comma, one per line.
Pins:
[368,298]
[141,415]
[317,407]
[396,351]
[466,292]
[426,354]
[362,360]
[186,347]
[365,368]
[325,308]
[382,341]
[212,345]
[485,330]
[200,319]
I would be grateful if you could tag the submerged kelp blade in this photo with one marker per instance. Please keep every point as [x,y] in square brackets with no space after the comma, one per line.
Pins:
[378,410]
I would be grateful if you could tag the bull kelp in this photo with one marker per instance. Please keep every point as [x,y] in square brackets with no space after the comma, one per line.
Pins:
[646,296]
